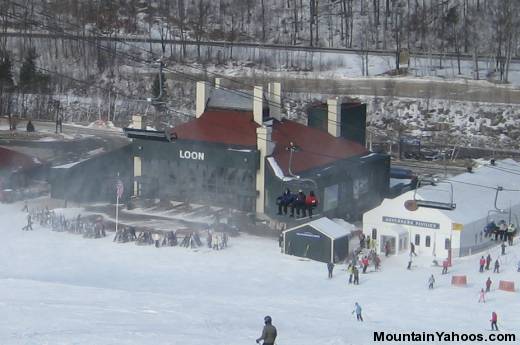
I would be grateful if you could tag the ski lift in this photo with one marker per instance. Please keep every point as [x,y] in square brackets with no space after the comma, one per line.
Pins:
[293,180]
[414,204]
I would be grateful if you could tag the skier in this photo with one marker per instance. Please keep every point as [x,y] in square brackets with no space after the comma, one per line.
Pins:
[387,249]
[365,264]
[445,266]
[493,320]
[503,246]
[482,262]
[412,249]
[311,202]
[330,268]
[357,310]
[29,223]
[268,333]
[409,267]
[377,262]
[430,282]
[497,267]
[355,271]
[350,270]
[25,207]
[488,261]
[488,284]
[481,297]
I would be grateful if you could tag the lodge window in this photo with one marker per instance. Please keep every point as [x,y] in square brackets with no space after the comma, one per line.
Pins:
[447,243]
[427,241]
[417,239]
[374,234]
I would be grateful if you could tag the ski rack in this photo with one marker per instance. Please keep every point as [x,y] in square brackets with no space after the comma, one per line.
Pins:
[449,206]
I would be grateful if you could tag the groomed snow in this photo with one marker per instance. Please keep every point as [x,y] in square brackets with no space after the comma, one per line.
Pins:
[62,289]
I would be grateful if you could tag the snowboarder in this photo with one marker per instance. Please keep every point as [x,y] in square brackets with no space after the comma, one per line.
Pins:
[481,297]
[482,262]
[430,282]
[503,246]
[268,333]
[409,267]
[488,261]
[357,310]
[494,319]
[445,266]
[330,268]
[497,267]
[387,249]
[488,284]
[355,271]
[412,249]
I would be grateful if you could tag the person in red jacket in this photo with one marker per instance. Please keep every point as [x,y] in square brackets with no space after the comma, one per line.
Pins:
[445,267]
[364,261]
[482,264]
[494,319]
[311,202]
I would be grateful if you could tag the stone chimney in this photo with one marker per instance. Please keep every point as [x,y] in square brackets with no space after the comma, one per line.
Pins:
[334,116]
[201,97]
[265,147]
[218,82]
[275,100]
[258,104]
[139,121]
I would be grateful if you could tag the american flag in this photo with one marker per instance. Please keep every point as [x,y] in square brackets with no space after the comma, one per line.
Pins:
[119,188]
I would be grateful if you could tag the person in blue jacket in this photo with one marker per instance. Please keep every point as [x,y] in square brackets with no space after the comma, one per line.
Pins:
[284,201]
[357,310]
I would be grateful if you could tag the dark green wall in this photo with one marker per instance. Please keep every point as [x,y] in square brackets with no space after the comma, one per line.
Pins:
[316,248]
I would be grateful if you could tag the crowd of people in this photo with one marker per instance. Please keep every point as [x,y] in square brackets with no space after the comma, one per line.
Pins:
[298,205]
[501,231]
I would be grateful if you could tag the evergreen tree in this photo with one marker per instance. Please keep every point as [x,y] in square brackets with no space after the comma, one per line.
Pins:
[6,73]
[156,87]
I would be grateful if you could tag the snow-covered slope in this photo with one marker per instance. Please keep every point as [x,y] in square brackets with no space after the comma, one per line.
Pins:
[59,288]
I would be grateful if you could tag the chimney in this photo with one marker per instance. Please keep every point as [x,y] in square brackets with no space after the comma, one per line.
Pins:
[258,104]
[265,147]
[218,82]
[334,116]
[275,100]
[139,121]
[202,98]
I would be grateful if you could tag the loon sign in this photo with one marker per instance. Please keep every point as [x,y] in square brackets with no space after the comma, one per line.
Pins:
[186,154]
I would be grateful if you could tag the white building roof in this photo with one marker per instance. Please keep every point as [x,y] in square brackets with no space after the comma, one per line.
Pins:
[326,227]
[474,193]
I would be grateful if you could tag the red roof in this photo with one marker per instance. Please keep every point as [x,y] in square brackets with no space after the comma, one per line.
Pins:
[11,160]
[316,147]
[220,126]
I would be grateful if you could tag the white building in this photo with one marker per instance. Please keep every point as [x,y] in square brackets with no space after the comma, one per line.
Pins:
[432,230]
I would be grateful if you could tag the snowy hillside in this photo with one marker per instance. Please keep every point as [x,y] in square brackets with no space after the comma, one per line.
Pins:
[58,288]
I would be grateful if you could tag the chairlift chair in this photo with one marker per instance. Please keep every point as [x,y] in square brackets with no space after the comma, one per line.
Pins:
[412,205]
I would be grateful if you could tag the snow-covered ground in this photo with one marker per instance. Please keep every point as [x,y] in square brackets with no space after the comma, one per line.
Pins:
[62,289]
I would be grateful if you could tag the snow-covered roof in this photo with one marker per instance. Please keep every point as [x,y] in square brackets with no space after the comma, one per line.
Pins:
[326,227]
[473,193]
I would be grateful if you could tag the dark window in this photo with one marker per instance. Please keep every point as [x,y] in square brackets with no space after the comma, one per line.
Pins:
[447,243]
[374,234]
[417,240]
[427,241]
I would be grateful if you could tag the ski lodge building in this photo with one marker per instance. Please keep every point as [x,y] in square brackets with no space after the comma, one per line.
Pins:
[436,231]
[240,152]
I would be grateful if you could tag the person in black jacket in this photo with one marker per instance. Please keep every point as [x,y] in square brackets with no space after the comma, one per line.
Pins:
[330,268]
[30,126]
[299,204]
[269,332]
[284,201]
